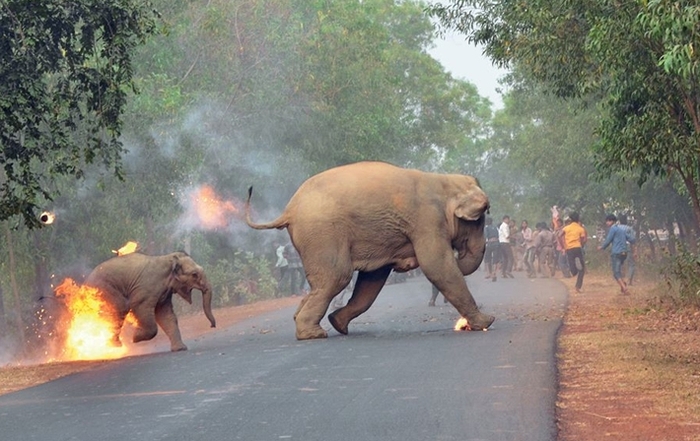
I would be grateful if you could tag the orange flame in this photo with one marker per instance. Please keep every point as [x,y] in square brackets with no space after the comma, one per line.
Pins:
[128,248]
[462,325]
[210,209]
[89,334]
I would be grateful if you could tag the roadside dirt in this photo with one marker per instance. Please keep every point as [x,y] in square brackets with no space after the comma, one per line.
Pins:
[629,371]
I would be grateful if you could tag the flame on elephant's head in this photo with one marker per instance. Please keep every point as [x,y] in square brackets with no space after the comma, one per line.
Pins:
[89,327]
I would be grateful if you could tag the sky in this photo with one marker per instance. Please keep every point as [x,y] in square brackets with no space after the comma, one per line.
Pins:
[465,61]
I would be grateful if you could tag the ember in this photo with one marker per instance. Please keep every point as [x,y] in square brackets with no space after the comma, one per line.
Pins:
[462,325]
[89,333]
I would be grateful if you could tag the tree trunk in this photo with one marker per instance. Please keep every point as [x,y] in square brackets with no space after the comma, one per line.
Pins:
[13,282]
[671,237]
[3,323]
[692,188]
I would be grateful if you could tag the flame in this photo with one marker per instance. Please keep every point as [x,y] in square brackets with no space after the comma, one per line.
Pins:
[128,248]
[89,334]
[462,325]
[47,217]
[209,209]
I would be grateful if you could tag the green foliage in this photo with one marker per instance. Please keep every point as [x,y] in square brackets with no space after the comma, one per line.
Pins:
[683,276]
[539,155]
[65,71]
[246,278]
[637,59]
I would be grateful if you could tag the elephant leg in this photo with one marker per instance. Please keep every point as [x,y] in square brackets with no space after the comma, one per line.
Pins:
[301,305]
[117,316]
[146,327]
[325,283]
[441,268]
[365,293]
[117,323]
[166,319]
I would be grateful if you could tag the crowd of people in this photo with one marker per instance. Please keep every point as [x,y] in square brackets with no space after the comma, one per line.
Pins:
[539,252]
[555,246]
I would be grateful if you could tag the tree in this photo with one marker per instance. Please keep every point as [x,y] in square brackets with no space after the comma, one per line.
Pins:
[65,72]
[637,58]
[538,154]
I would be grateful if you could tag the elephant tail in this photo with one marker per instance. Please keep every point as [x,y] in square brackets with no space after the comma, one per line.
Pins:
[279,223]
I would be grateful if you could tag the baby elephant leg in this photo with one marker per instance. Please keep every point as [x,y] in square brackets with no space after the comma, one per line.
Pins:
[166,318]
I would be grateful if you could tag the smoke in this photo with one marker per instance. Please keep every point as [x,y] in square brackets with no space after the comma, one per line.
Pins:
[165,170]
[226,159]
[9,349]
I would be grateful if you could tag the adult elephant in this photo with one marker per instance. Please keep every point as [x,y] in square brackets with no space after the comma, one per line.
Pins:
[374,217]
[145,286]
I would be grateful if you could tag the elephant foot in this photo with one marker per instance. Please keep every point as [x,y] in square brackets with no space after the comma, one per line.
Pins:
[333,319]
[311,333]
[178,347]
[479,321]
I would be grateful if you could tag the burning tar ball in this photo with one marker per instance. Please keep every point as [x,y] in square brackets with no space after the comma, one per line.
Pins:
[47,218]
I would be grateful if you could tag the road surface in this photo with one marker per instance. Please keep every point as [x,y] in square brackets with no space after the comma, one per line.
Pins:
[401,374]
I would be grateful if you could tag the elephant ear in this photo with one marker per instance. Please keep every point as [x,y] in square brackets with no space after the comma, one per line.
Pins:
[175,266]
[472,205]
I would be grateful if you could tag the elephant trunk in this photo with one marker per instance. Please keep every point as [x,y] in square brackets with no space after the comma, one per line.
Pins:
[470,263]
[206,302]
[471,251]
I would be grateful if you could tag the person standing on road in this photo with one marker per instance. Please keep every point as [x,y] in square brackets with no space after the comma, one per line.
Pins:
[295,270]
[434,294]
[491,254]
[529,248]
[618,237]
[575,238]
[504,247]
[632,255]
[281,265]
[544,249]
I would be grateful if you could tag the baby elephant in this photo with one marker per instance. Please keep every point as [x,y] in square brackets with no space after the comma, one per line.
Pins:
[145,286]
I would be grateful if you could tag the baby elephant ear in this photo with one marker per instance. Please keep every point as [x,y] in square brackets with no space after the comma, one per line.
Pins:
[473,205]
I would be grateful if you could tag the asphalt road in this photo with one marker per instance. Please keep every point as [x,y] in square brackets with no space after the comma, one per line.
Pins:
[401,374]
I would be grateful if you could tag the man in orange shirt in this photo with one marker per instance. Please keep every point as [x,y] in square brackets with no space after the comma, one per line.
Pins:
[575,237]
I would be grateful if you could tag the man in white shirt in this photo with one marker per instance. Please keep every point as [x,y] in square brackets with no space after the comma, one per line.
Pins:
[505,248]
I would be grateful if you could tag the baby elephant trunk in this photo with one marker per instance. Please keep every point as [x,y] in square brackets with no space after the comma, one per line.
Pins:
[206,301]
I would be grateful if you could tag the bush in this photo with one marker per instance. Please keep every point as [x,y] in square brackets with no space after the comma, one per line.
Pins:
[682,274]
[245,279]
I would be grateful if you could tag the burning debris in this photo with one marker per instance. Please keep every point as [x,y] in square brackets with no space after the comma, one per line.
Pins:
[462,325]
[128,248]
[47,217]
